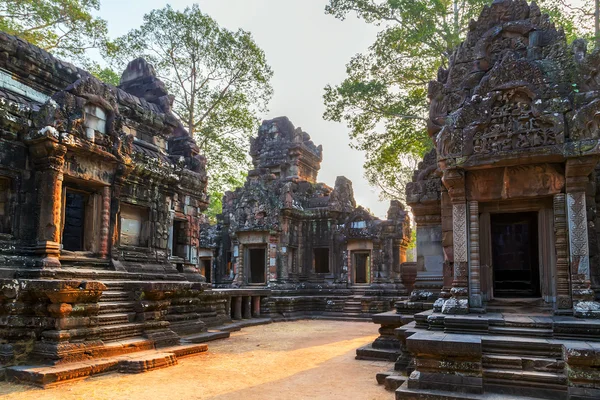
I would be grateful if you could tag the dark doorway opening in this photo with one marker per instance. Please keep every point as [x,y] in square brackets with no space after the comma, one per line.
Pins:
[515,255]
[206,264]
[73,230]
[257,258]
[179,236]
[362,270]
[321,261]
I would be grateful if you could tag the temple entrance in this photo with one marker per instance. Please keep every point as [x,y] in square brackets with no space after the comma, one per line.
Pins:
[256,265]
[362,270]
[206,268]
[73,231]
[515,254]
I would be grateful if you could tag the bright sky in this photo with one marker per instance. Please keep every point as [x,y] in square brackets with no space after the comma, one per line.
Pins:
[306,49]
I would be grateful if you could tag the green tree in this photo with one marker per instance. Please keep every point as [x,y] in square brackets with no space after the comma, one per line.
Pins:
[383,99]
[220,79]
[66,28]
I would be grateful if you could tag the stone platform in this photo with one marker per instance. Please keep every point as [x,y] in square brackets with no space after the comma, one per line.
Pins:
[144,361]
[484,356]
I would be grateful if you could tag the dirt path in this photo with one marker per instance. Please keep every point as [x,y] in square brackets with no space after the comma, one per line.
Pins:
[291,360]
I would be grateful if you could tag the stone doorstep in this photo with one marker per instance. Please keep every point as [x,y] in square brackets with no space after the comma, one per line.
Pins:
[143,361]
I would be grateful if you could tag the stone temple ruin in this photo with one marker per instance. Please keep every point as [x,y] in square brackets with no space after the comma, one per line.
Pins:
[107,262]
[506,207]
[317,252]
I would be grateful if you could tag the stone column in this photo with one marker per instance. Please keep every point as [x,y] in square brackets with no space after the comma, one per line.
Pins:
[247,307]
[105,222]
[256,306]
[454,180]
[577,173]
[48,157]
[237,307]
[564,304]
[475,300]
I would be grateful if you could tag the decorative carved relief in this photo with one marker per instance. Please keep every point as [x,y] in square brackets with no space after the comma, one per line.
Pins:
[578,235]
[516,124]
[459,224]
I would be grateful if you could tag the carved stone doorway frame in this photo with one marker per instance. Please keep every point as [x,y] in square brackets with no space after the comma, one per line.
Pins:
[543,206]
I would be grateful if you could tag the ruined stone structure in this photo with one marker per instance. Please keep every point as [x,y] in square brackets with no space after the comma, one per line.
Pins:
[310,244]
[101,198]
[506,209]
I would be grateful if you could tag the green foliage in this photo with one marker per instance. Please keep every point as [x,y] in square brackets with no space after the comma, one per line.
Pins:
[576,18]
[383,99]
[220,79]
[105,74]
[64,27]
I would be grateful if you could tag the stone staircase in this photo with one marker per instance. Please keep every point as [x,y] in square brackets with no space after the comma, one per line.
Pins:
[524,366]
[116,317]
[353,306]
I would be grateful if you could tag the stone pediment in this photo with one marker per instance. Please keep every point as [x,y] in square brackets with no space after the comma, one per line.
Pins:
[509,90]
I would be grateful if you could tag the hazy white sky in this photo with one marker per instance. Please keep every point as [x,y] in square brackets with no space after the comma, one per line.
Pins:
[306,49]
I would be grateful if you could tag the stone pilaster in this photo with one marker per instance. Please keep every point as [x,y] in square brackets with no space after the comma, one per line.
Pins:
[475,300]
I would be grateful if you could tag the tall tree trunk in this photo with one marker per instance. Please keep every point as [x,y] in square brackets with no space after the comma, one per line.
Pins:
[597,23]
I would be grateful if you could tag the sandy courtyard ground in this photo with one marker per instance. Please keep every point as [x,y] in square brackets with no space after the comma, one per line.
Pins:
[288,360]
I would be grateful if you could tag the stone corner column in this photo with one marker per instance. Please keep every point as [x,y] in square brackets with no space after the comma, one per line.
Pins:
[48,157]
[577,172]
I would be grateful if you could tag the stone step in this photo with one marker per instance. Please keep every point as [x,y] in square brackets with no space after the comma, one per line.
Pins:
[114,285]
[115,318]
[206,336]
[527,378]
[115,307]
[540,364]
[405,393]
[369,353]
[50,376]
[380,377]
[519,331]
[186,350]
[393,382]
[138,363]
[114,295]
[121,331]
[120,347]
[523,347]
[142,361]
